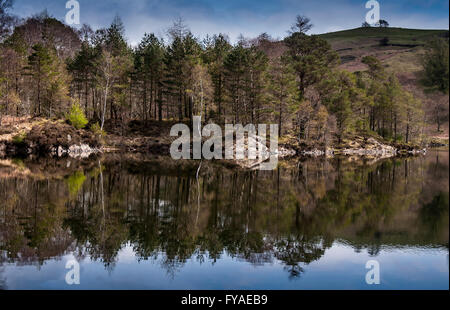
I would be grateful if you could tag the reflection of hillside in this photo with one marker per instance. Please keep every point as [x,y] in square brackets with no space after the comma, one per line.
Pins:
[291,215]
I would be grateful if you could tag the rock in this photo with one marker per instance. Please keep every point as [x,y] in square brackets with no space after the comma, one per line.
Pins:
[417,152]
[369,148]
[61,151]
[313,153]
[354,145]
[285,152]
[81,151]
[373,141]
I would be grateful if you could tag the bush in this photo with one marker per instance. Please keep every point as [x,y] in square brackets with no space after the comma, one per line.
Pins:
[97,130]
[19,139]
[76,116]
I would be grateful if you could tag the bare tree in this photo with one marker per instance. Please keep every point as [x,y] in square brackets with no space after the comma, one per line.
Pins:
[106,76]
[6,19]
[179,29]
[86,32]
[302,24]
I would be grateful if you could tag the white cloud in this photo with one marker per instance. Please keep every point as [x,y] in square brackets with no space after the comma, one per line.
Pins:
[234,17]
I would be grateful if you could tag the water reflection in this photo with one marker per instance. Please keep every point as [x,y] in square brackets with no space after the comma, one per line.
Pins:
[291,216]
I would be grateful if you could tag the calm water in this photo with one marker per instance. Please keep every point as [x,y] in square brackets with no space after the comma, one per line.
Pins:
[151,224]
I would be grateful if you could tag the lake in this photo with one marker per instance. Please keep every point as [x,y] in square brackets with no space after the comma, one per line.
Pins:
[133,222]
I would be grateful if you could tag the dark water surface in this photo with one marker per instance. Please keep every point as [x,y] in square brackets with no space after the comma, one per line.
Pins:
[150,224]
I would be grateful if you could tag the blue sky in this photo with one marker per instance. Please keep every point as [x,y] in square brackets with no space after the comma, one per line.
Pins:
[247,17]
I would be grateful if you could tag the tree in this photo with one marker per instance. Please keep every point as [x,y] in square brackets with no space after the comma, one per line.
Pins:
[6,19]
[245,68]
[46,30]
[366,25]
[49,77]
[115,76]
[12,60]
[257,67]
[235,68]
[201,92]
[82,67]
[302,25]
[392,109]
[149,70]
[435,62]
[311,58]
[394,94]
[341,96]
[105,80]
[46,65]
[181,58]
[215,54]
[383,23]
[376,77]
[413,116]
[179,29]
[281,90]
[76,116]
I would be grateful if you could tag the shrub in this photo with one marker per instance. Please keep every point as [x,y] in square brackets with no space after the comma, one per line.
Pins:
[19,138]
[76,116]
[97,130]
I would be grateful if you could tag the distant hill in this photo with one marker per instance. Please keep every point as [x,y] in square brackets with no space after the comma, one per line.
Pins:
[399,50]
[384,43]
[400,36]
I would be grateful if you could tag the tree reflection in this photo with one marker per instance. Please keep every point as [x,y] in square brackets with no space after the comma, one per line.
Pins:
[291,215]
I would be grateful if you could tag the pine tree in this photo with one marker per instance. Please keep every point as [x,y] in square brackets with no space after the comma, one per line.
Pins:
[50,79]
[149,69]
[215,55]
[281,90]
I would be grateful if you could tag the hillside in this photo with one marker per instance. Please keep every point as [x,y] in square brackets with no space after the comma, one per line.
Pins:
[400,53]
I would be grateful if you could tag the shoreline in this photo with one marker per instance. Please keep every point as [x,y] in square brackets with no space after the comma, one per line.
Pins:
[42,137]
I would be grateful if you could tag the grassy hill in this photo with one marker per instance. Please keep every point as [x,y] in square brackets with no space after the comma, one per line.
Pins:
[400,51]
[384,43]
[397,35]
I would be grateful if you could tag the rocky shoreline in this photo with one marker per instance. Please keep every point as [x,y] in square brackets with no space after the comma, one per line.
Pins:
[372,148]
[42,137]
[59,139]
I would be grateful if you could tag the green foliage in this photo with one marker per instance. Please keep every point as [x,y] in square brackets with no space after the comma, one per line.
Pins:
[282,90]
[96,130]
[311,56]
[245,68]
[294,83]
[435,76]
[49,79]
[19,138]
[149,72]
[75,182]
[216,51]
[76,116]
[341,96]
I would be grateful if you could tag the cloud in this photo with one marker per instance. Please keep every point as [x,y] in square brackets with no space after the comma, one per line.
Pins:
[249,17]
